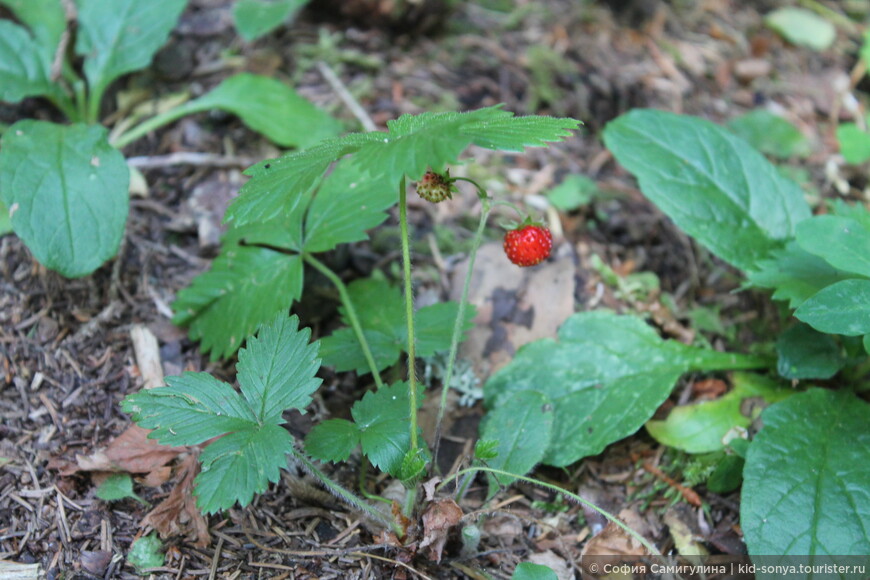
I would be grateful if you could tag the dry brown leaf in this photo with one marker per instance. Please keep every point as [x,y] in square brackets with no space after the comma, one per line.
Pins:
[177,515]
[131,451]
[439,517]
[612,546]
[554,562]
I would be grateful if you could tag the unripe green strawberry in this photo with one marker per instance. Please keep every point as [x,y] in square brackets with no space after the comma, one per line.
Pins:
[528,244]
[435,187]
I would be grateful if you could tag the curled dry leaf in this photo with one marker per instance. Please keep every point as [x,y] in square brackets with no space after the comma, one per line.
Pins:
[612,546]
[177,515]
[439,517]
[131,451]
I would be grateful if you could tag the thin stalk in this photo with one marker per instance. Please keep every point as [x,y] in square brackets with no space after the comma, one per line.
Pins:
[650,548]
[460,315]
[343,494]
[351,314]
[65,106]
[151,124]
[94,100]
[409,310]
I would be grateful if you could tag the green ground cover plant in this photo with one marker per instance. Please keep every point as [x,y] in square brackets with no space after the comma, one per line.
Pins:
[64,187]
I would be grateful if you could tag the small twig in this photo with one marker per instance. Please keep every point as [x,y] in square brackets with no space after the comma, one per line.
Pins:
[689,494]
[344,94]
[189,158]
[212,573]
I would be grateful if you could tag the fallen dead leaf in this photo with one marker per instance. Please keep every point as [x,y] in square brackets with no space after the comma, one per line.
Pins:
[439,517]
[612,546]
[131,451]
[554,562]
[177,515]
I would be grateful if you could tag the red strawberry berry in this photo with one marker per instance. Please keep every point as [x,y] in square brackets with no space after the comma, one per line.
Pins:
[435,187]
[528,245]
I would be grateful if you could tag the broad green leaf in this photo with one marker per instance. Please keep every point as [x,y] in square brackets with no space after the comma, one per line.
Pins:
[239,465]
[522,423]
[770,134]
[116,487]
[794,274]
[67,190]
[332,440]
[46,20]
[805,486]
[841,308]
[381,312]
[529,571]
[23,73]
[190,410]
[854,143]
[807,354]
[384,424]
[121,36]
[270,107]
[710,183]
[145,553]
[605,377]
[412,144]
[245,287]
[256,18]
[5,220]
[700,427]
[727,476]
[348,202]
[276,369]
[842,242]
[802,27]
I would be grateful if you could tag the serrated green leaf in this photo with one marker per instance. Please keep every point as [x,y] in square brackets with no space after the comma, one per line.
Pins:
[116,487]
[522,423]
[239,465]
[700,427]
[67,190]
[23,73]
[715,188]
[121,36]
[807,354]
[413,143]
[348,203]
[530,571]
[276,369]
[842,242]
[245,287]
[816,503]
[802,27]
[190,410]
[605,377]
[854,143]
[270,107]
[794,274]
[381,314]
[384,424]
[332,440]
[256,18]
[145,553]
[46,20]
[841,308]
[770,134]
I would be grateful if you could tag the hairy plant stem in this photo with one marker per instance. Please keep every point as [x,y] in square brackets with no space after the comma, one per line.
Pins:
[486,207]
[345,495]
[472,470]
[409,311]
[351,313]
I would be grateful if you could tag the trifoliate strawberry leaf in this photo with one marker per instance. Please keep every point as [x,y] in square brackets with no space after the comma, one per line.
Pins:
[244,287]
[348,203]
[332,440]
[239,465]
[277,368]
[383,420]
[411,145]
[381,314]
[276,372]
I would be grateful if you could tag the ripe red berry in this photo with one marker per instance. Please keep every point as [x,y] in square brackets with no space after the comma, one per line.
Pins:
[528,245]
[435,187]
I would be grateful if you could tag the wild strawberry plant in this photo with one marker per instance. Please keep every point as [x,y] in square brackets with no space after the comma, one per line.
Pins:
[65,186]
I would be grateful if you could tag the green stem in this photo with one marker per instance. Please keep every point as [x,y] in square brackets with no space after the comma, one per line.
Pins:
[92,115]
[343,494]
[151,124]
[65,106]
[460,315]
[409,310]
[351,314]
[650,548]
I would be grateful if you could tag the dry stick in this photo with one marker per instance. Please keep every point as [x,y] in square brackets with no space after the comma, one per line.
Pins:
[189,158]
[344,94]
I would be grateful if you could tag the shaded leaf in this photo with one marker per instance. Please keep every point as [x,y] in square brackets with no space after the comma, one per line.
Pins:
[383,420]
[842,242]
[807,354]
[332,440]
[46,20]
[146,553]
[116,487]
[841,308]
[22,72]
[770,134]
[529,571]
[68,189]
[854,143]
[802,27]
[715,188]
[256,18]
